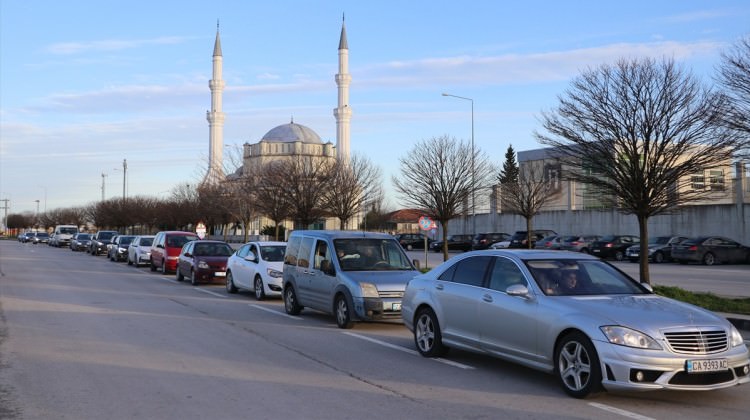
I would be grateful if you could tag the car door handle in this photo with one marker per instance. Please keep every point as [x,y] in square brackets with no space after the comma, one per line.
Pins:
[487,298]
[439,286]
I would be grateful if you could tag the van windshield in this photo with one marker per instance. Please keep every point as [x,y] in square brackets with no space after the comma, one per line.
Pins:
[366,254]
[67,230]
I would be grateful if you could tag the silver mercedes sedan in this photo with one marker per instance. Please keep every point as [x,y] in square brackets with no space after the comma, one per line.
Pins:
[575,316]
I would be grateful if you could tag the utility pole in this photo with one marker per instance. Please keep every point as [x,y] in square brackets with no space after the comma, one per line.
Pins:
[104,176]
[5,207]
[124,177]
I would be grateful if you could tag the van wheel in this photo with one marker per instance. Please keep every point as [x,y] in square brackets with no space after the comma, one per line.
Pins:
[427,336]
[577,365]
[291,306]
[260,294]
[342,312]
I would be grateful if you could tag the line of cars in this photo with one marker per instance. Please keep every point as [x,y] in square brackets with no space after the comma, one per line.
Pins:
[569,314]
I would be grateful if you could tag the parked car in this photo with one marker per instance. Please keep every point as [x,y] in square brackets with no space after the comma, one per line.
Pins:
[26,237]
[139,250]
[80,242]
[100,240]
[578,243]
[166,247]
[551,242]
[613,246]
[606,330]
[659,248]
[118,249]
[521,237]
[455,243]
[257,266]
[40,238]
[62,235]
[356,276]
[484,240]
[710,250]
[412,241]
[501,245]
[203,260]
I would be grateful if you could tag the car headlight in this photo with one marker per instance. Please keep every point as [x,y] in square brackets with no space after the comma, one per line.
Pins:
[122,250]
[275,273]
[736,337]
[202,264]
[623,336]
[369,290]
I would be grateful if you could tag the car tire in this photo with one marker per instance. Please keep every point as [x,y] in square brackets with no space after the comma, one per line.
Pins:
[260,293]
[709,259]
[130,262]
[231,288]
[427,336]
[291,306]
[193,278]
[178,275]
[164,266]
[343,313]
[577,366]
[619,255]
[658,257]
[409,247]
[151,264]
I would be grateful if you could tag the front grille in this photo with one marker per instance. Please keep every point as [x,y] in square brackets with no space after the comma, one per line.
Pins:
[390,294]
[697,342]
[712,378]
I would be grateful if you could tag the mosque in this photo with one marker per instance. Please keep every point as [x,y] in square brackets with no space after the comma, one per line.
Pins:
[291,139]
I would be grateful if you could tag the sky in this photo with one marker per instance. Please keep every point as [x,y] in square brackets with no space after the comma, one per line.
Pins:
[85,85]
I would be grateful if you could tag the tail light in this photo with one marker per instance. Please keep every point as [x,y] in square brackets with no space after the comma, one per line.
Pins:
[575,243]
[609,245]
[693,248]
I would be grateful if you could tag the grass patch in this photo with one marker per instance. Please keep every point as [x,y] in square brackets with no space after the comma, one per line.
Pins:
[706,300]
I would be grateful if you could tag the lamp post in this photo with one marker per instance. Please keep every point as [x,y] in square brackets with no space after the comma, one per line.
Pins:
[124,177]
[473,207]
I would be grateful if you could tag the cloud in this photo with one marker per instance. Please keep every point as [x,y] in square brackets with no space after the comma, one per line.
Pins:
[69,48]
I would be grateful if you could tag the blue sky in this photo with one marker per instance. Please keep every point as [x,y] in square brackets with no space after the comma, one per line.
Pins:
[86,84]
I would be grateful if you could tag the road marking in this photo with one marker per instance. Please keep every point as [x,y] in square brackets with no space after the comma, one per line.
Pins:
[413,352]
[624,413]
[210,292]
[169,280]
[297,318]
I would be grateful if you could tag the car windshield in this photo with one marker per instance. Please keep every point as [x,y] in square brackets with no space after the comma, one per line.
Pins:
[83,236]
[68,231]
[42,235]
[212,250]
[177,241]
[366,254]
[124,240]
[145,241]
[106,235]
[272,253]
[569,277]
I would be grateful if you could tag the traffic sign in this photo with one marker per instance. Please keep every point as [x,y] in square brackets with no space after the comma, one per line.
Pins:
[200,230]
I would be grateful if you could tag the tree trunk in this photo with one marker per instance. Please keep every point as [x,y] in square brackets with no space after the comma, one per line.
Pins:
[445,239]
[643,260]
[528,233]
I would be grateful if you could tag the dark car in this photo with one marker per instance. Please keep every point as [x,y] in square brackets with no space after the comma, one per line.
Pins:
[203,260]
[613,246]
[80,242]
[40,238]
[100,240]
[710,250]
[118,249]
[659,248]
[455,243]
[578,243]
[484,240]
[412,240]
[521,237]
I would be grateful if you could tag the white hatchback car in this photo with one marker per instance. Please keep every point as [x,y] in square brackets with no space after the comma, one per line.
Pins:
[139,251]
[257,266]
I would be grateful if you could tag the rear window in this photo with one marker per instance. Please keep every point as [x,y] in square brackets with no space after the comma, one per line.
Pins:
[178,241]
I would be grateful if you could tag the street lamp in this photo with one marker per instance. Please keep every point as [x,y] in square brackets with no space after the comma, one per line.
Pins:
[473,207]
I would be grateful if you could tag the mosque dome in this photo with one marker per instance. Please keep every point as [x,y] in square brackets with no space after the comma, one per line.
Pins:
[290,133]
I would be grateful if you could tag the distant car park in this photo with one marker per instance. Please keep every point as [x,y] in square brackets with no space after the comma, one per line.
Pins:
[710,250]
[613,246]
[455,243]
[659,249]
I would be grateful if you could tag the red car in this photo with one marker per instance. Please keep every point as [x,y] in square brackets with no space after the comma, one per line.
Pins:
[203,261]
[166,248]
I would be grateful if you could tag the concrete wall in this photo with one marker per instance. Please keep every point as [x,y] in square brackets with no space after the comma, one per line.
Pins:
[730,220]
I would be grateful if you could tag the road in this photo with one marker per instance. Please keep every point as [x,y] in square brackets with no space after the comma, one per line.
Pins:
[731,280]
[82,338]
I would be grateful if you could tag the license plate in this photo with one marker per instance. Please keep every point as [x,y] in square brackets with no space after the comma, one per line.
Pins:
[708,365]
[220,274]
[595,250]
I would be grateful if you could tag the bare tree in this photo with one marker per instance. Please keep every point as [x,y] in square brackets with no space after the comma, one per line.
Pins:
[304,180]
[637,131]
[352,184]
[270,197]
[436,178]
[734,77]
[527,195]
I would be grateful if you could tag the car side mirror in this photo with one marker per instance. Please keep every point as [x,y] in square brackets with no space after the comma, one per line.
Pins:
[327,268]
[519,290]
[160,246]
[189,255]
[251,257]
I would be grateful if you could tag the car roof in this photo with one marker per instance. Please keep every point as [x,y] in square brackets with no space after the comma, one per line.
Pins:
[341,234]
[532,254]
[266,243]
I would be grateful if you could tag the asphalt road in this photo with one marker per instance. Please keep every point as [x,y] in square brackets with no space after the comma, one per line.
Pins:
[85,338]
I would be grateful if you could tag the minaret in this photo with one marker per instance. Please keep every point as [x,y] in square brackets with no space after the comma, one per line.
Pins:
[215,119]
[343,112]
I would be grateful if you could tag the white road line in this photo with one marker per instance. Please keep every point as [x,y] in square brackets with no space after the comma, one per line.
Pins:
[210,292]
[170,280]
[624,413]
[413,352]
[296,318]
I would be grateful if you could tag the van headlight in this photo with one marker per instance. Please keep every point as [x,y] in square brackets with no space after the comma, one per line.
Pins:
[628,337]
[369,290]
